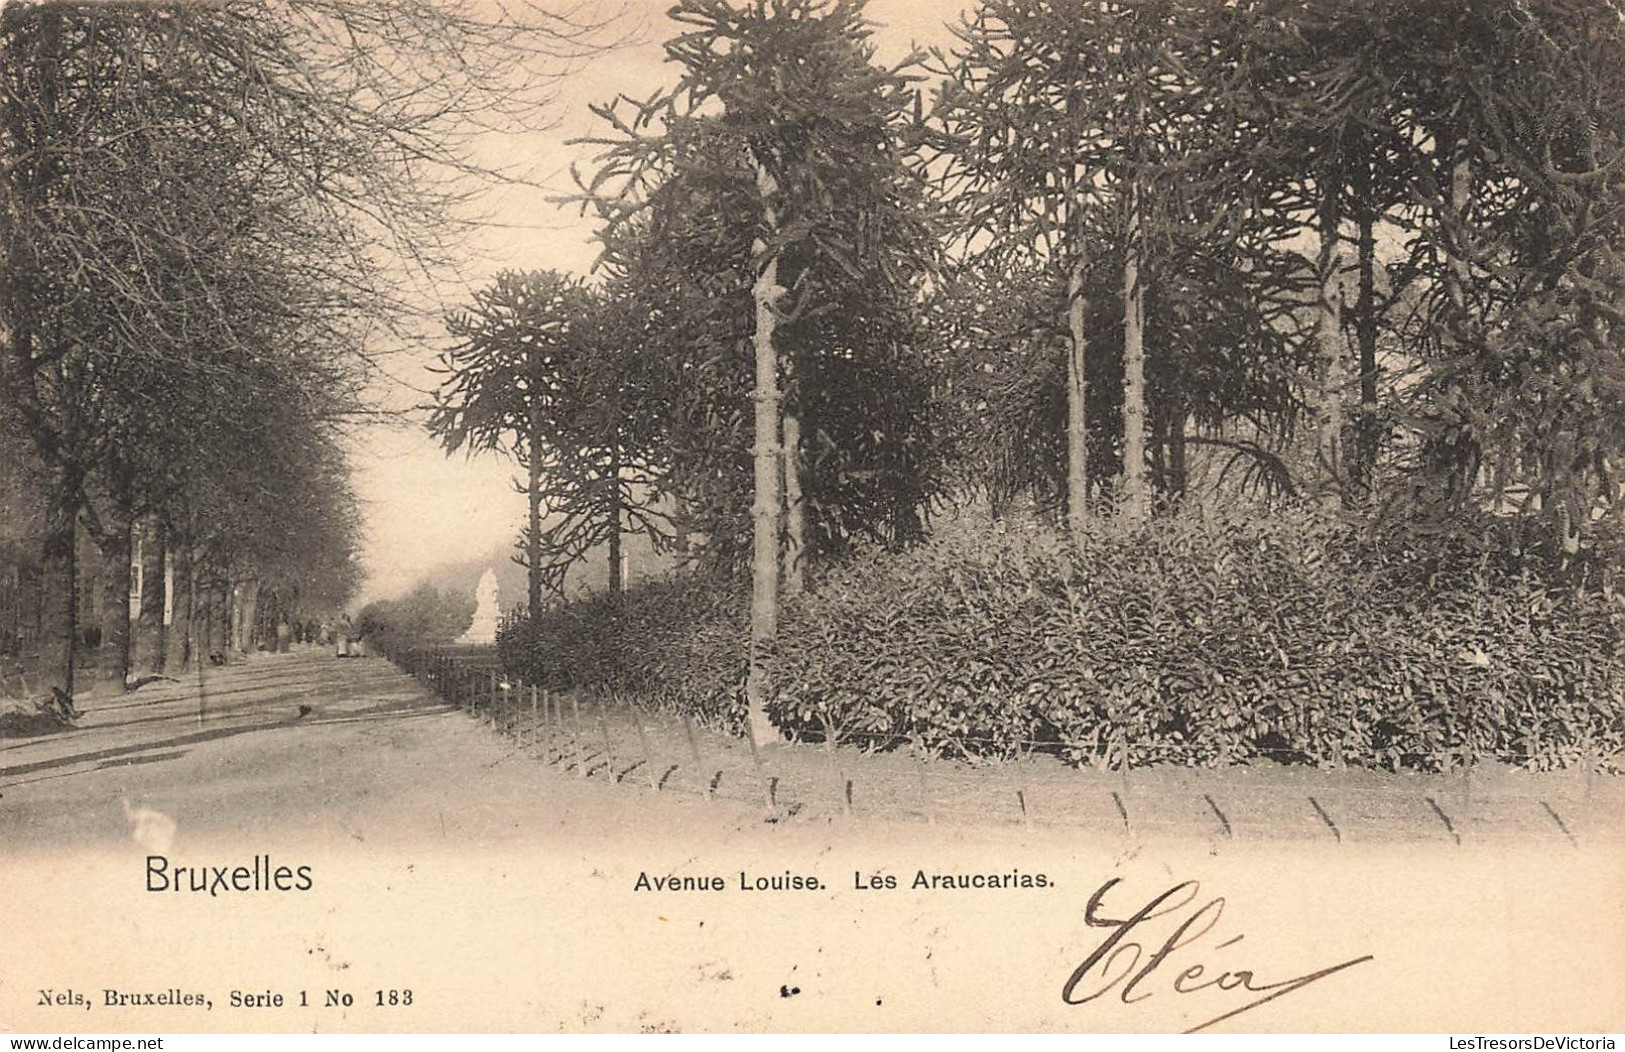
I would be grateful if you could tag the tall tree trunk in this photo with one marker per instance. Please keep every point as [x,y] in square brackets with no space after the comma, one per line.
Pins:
[1135,504]
[178,640]
[1461,199]
[21,311]
[1077,421]
[150,637]
[59,614]
[1329,332]
[220,600]
[216,619]
[204,619]
[1156,455]
[114,657]
[247,624]
[1368,434]
[764,564]
[533,536]
[795,509]
[617,568]
[229,620]
[1178,473]
[680,522]
[1451,456]
[1457,271]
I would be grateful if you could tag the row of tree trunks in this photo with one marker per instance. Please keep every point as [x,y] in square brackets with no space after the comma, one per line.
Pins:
[207,617]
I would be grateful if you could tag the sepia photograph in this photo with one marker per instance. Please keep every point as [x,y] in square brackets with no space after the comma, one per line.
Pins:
[813,516]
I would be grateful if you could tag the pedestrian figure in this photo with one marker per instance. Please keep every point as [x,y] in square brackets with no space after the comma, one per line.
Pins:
[346,636]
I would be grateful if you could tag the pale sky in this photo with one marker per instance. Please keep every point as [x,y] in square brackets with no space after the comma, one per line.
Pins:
[424,509]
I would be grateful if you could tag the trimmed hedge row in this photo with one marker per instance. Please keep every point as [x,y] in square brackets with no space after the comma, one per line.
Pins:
[1207,638]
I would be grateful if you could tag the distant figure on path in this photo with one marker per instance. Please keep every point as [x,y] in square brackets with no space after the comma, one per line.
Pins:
[284,636]
[346,635]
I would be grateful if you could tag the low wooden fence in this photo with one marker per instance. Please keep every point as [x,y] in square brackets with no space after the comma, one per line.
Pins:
[577,730]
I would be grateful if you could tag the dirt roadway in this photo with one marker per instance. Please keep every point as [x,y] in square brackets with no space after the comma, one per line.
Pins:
[506,895]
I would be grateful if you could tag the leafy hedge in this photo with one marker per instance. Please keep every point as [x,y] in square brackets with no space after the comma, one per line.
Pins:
[1207,638]
[674,644]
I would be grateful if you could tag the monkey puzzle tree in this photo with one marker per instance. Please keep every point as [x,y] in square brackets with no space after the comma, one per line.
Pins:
[1098,152]
[1473,144]
[1516,167]
[544,368]
[779,160]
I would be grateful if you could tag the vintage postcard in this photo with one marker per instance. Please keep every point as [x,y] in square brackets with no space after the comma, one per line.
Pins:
[784,516]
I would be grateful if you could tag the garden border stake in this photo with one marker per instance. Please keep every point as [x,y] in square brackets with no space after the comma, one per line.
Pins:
[544,729]
[699,764]
[1466,785]
[920,757]
[581,752]
[643,740]
[840,776]
[609,746]
[533,727]
[553,727]
[561,732]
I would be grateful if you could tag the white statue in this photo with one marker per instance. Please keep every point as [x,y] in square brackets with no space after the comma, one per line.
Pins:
[483,631]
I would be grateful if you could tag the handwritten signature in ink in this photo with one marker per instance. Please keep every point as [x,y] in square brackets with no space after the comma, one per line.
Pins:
[1116,964]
